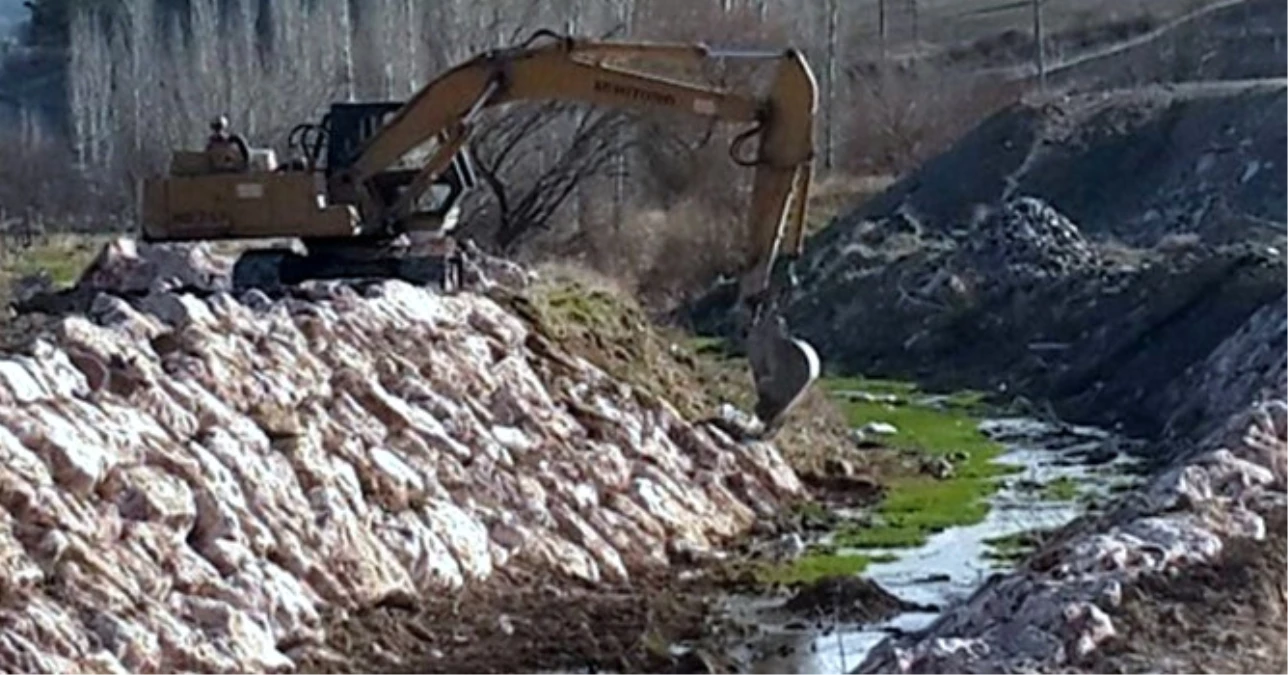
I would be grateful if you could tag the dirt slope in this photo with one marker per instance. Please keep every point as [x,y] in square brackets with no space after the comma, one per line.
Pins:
[1136,164]
[1240,40]
[195,481]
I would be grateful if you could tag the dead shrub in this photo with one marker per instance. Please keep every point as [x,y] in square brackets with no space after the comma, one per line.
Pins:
[662,255]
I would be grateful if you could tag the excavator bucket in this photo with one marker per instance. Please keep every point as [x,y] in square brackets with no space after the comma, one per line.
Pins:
[782,367]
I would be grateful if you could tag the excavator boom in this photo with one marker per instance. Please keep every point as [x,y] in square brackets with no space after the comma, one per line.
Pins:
[572,70]
[368,198]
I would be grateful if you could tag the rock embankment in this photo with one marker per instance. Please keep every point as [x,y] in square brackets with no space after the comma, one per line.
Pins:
[1061,607]
[189,479]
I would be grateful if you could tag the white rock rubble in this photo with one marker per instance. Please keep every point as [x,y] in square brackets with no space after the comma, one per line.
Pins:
[188,486]
[1054,609]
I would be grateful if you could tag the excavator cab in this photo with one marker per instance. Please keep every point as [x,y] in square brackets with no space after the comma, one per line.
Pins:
[340,138]
[211,194]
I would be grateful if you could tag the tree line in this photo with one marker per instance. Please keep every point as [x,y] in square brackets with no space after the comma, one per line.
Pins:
[140,78]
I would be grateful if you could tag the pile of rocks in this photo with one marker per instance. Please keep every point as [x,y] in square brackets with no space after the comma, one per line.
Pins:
[188,480]
[1024,240]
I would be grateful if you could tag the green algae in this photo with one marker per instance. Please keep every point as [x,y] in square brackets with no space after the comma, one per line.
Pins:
[917,504]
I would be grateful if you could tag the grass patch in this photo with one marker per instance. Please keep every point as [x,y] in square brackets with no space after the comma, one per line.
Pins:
[1013,548]
[64,257]
[814,566]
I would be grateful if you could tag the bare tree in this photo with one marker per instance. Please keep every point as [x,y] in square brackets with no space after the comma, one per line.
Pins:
[526,201]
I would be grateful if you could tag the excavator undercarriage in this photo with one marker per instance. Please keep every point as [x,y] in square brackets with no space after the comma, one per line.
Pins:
[374,190]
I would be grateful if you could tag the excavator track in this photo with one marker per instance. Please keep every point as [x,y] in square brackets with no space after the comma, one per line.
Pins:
[273,269]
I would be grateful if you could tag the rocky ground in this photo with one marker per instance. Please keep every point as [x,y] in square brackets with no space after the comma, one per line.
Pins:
[201,481]
[1222,616]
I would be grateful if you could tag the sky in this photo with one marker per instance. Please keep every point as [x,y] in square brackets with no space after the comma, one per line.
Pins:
[11,12]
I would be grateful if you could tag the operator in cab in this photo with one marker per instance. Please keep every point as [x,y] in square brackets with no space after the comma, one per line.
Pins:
[227,151]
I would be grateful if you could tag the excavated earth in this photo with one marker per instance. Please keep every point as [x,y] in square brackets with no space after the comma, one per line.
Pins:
[1084,251]
[197,481]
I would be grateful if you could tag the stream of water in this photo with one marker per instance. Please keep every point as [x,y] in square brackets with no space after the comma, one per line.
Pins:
[951,564]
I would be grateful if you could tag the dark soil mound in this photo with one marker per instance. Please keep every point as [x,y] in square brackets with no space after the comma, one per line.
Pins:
[1137,165]
[846,598]
[1087,253]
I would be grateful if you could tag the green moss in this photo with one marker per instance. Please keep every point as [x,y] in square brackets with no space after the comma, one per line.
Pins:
[966,400]
[917,505]
[874,386]
[712,346]
[881,536]
[1062,489]
[817,565]
[938,432]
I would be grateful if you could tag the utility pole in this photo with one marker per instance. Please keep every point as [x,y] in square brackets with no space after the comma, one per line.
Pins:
[830,106]
[1039,50]
[881,26]
[916,27]
[626,15]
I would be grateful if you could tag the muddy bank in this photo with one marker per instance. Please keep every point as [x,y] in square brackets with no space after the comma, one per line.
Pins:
[200,481]
[523,624]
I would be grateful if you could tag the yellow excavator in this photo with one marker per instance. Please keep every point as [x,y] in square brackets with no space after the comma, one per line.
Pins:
[374,189]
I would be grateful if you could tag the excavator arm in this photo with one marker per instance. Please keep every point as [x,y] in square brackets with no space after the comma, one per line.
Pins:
[574,70]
